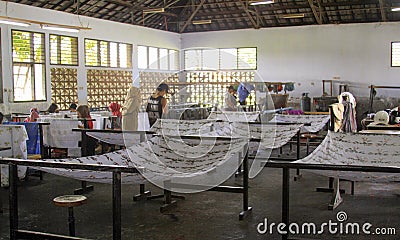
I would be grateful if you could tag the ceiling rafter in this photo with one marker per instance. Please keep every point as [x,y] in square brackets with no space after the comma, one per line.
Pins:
[317,15]
[255,24]
[192,16]
[381,8]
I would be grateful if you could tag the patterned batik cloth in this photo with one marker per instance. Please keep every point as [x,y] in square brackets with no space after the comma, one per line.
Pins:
[14,136]
[317,121]
[234,116]
[159,159]
[379,150]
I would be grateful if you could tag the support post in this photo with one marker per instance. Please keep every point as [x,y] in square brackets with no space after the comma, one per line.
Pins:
[13,201]
[285,200]
[117,205]
[246,208]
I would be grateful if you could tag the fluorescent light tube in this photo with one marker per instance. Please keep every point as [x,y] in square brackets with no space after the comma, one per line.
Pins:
[63,29]
[198,22]
[295,15]
[154,10]
[15,23]
[261,2]
[396,9]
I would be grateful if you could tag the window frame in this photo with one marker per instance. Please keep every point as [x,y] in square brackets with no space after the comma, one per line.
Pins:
[31,64]
[59,52]
[108,57]
[220,56]
[391,54]
[173,66]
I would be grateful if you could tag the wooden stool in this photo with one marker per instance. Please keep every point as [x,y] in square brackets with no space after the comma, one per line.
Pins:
[308,136]
[70,201]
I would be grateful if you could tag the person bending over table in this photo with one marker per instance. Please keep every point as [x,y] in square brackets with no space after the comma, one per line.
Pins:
[157,103]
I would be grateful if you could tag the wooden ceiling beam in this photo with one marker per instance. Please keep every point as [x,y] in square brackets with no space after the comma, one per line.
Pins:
[255,24]
[189,21]
[317,15]
[382,9]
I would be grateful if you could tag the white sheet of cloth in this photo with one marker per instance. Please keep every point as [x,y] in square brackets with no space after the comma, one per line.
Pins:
[161,158]
[14,136]
[120,139]
[317,121]
[379,150]
[234,116]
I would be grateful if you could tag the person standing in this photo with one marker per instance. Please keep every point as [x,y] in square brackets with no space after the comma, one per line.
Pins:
[130,109]
[230,99]
[157,103]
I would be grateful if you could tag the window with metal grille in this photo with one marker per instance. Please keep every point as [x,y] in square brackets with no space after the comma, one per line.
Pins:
[395,54]
[155,58]
[99,53]
[28,56]
[221,59]
[63,50]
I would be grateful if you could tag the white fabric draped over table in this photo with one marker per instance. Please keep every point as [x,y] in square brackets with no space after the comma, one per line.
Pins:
[379,150]
[160,158]
[317,121]
[234,116]
[13,136]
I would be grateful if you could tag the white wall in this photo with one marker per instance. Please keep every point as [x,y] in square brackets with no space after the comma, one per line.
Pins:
[100,29]
[358,53]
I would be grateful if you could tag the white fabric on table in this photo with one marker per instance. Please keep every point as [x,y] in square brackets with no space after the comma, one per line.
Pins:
[175,127]
[379,150]
[14,136]
[317,121]
[234,116]
[120,139]
[161,158]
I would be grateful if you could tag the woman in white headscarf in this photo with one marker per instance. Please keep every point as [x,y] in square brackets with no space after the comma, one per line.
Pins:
[130,109]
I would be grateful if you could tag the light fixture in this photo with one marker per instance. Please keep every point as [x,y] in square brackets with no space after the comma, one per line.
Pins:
[294,15]
[198,22]
[154,10]
[395,9]
[60,28]
[254,3]
[10,21]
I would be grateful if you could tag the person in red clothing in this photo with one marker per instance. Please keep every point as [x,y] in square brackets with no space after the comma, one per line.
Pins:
[115,109]
[84,112]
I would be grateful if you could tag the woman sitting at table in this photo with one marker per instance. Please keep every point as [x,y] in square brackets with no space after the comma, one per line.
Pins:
[84,113]
[53,108]
[34,115]
[116,122]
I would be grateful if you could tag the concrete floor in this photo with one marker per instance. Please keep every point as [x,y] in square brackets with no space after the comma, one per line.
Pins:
[207,215]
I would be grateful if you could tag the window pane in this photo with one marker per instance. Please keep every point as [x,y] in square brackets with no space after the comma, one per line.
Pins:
[164,59]
[21,46]
[22,82]
[173,60]
[395,54]
[38,47]
[193,59]
[142,57]
[247,58]
[153,58]
[228,58]
[113,54]
[91,52]
[125,55]
[40,84]
[53,49]
[210,59]
[69,50]
[104,59]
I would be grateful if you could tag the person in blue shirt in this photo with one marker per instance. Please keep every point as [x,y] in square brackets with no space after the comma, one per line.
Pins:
[243,92]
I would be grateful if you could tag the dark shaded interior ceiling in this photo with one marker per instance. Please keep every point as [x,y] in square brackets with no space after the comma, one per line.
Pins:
[178,15]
